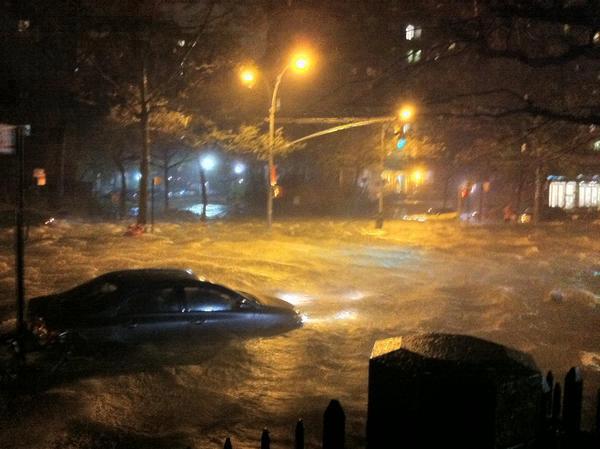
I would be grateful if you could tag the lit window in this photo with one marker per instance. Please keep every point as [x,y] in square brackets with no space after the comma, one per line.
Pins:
[596,38]
[412,32]
[413,56]
[181,42]
[597,145]
[23,25]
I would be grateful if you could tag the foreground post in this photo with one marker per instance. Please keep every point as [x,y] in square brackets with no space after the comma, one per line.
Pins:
[265,439]
[435,391]
[299,435]
[556,403]
[334,426]
[572,401]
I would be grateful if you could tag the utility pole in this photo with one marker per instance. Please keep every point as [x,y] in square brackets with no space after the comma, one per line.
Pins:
[19,238]
[537,196]
[379,219]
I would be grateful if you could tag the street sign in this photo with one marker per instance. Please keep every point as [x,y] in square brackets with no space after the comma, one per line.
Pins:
[7,139]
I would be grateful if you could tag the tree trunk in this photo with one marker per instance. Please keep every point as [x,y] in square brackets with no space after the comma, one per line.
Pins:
[446,187]
[123,196]
[61,167]
[521,181]
[537,195]
[145,159]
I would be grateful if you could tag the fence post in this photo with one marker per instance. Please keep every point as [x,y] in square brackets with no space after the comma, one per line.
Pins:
[548,397]
[299,435]
[556,401]
[227,444]
[597,426]
[572,401]
[265,439]
[334,426]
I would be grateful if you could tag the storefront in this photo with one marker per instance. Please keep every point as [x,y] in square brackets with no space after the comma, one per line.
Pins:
[584,192]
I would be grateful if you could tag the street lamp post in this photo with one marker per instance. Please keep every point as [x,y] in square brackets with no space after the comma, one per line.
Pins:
[207,163]
[300,63]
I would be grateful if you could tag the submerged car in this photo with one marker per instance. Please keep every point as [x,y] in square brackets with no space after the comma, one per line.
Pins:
[153,304]
[433,214]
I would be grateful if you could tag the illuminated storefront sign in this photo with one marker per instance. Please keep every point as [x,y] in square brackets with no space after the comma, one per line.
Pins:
[571,194]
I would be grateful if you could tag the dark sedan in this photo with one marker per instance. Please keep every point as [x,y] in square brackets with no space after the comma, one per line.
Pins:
[154,304]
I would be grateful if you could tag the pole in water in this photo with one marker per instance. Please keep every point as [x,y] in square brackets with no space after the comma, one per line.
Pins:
[19,238]
[152,206]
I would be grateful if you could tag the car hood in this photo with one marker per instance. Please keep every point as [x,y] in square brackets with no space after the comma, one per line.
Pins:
[271,301]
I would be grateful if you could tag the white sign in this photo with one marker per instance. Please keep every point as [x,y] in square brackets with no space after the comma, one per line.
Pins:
[7,139]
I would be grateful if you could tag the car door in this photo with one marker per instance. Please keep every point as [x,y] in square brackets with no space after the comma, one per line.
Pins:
[211,308]
[154,314]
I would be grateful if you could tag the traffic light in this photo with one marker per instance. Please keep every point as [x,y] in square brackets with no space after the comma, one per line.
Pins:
[401,133]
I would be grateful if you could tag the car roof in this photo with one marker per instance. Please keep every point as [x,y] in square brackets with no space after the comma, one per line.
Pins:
[148,275]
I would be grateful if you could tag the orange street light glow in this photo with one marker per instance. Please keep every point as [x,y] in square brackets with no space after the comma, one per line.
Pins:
[248,76]
[301,62]
[418,176]
[407,112]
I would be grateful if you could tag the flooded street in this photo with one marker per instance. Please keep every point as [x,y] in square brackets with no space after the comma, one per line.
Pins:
[535,290]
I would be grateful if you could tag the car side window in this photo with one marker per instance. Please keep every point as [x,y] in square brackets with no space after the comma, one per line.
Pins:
[165,300]
[209,300]
[99,297]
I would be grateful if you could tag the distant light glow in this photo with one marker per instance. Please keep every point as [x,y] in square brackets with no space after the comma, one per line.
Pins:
[239,168]
[138,176]
[241,181]
[295,298]
[354,295]
[417,176]
[208,162]
[346,315]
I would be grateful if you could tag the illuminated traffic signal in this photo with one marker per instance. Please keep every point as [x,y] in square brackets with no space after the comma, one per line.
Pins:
[401,133]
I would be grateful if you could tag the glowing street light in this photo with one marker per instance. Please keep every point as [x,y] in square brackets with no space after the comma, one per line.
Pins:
[248,76]
[208,162]
[406,113]
[239,168]
[301,62]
